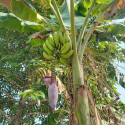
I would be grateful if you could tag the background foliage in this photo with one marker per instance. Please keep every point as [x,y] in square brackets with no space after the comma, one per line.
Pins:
[23,94]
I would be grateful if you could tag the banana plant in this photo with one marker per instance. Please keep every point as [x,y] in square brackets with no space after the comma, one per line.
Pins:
[79,20]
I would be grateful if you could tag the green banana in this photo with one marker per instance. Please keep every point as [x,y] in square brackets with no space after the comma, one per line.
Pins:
[56,39]
[50,39]
[47,50]
[60,36]
[63,41]
[49,45]
[47,56]
[59,46]
[65,48]
[63,61]
[68,54]
[65,38]
[56,61]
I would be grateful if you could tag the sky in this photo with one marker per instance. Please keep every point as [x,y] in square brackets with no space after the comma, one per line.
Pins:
[120,89]
[121,68]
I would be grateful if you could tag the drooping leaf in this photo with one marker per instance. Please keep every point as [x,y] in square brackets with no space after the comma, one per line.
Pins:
[39,93]
[27,92]
[34,96]
[24,10]
[11,22]
[36,42]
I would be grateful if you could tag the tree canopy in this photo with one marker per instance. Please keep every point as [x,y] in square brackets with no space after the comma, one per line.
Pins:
[99,32]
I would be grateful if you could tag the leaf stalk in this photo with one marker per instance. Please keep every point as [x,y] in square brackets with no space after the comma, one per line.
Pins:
[55,9]
[84,26]
[73,35]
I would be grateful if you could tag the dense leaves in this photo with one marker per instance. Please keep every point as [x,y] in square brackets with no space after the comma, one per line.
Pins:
[23,93]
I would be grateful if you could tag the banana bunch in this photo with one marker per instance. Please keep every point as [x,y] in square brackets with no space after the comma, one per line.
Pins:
[49,48]
[57,46]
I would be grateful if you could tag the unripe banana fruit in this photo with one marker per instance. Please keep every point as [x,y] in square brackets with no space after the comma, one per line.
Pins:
[63,61]
[47,56]
[60,36]
[58,46]
[51,40]
[49,45]
[65,38]
[46,49]
[65,48]
[67,55]
[56,39]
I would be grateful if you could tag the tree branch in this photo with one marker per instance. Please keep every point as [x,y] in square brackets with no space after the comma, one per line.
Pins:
[35,102]
[36,113]
[114,101]
[110,104]
[111,89]
[5,115]
[22,104]
[16,77]
[8,95]
[14,83]
[19,75]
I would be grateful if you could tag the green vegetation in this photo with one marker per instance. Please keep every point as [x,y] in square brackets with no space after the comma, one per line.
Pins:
[90,31]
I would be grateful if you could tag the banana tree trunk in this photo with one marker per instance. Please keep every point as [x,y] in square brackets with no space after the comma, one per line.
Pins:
[79,107]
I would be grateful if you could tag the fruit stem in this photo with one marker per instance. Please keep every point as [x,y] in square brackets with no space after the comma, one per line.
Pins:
[53,74]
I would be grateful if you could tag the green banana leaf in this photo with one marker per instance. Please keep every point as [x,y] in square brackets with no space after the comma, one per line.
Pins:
[22,9]
[65,13]
[11,22]
[81,9]
[36,42]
